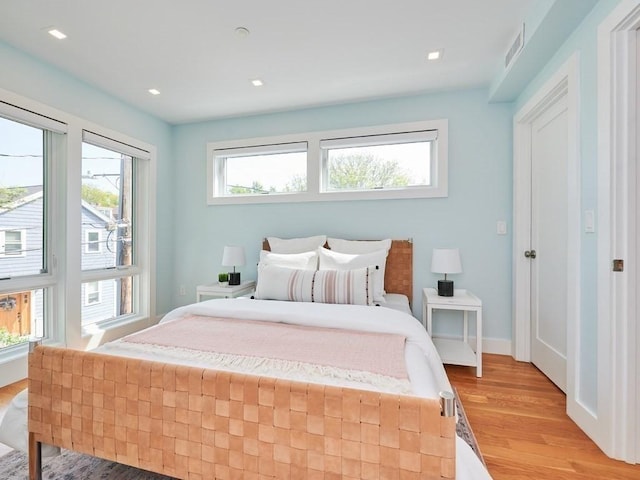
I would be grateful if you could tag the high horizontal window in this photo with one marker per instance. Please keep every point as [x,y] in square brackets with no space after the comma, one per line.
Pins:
[392,161]
[261,170]
[377,162]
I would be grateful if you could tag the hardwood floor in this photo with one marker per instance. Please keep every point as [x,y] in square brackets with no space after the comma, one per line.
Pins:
[518,417]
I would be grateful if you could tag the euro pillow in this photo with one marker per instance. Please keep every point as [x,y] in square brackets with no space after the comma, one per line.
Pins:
[304,261]
[296,245]
[353,287]
[358,246]
[330,260]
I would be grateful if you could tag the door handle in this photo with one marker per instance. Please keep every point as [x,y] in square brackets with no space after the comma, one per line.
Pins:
[530,253]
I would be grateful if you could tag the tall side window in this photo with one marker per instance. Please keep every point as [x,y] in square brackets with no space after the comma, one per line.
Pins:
[110,224]
[29,150]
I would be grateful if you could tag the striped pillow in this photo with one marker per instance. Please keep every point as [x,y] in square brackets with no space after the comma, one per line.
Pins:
[322,286]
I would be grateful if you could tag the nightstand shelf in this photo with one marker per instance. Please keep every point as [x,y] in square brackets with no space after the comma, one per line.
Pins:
[216,290]
[452,351]
[455,352]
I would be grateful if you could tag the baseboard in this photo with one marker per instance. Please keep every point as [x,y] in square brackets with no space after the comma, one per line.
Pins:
[499,346]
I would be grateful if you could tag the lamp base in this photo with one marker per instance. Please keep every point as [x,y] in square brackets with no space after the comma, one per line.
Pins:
[445,288]
[234,278]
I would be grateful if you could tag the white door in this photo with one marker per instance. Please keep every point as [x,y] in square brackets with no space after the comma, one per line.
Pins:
[549,202]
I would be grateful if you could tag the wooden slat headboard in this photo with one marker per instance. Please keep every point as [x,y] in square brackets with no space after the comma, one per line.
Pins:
[398,277]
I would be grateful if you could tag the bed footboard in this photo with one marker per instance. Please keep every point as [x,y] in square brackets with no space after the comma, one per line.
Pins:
[194,423]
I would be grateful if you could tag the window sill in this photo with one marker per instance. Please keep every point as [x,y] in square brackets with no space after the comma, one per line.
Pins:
[99,328]
[385,194]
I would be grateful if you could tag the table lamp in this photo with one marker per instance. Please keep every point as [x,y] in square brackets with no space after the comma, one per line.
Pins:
[445,260]
[233,256]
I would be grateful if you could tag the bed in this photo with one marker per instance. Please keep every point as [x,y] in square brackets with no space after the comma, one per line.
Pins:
[138,404]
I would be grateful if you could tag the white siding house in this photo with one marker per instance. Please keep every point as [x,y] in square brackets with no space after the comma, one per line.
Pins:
[21,253]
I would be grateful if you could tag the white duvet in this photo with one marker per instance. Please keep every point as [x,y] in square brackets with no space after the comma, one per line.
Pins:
[424,367]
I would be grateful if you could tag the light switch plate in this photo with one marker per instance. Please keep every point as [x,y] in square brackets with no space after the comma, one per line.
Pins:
[589,221]
[501,228]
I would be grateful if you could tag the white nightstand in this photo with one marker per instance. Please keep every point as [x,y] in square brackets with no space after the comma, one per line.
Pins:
[218,291]
[455,352]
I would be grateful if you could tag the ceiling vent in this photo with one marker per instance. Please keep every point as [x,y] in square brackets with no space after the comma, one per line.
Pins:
[516,48]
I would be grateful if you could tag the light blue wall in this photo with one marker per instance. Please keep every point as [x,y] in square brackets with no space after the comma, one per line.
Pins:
[33,79]
[584,41]
[480,194]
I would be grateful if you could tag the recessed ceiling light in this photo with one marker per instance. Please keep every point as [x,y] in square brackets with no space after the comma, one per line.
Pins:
[257,82]
[57,33]
[154,91]
[435,55]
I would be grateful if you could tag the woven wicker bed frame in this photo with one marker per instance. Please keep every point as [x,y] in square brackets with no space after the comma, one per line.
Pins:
[195,423]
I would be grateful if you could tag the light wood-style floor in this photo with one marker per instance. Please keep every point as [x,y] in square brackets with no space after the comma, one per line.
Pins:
[518,417]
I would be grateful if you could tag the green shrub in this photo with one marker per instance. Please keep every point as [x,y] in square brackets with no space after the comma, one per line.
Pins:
[7,339]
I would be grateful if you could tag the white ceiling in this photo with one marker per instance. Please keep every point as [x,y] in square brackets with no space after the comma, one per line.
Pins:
[307,53]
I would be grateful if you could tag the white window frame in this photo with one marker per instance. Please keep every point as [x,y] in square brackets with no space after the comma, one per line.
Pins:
[88,292]
[316,167]
[55,126]
[62,278]
[23,243]
[88,243]
[143,253]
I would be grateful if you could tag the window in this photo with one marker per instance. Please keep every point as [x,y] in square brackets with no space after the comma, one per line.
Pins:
[22,315]
[30,146]
[267,169]
[378,161]
[100,277]
[107,185]
[13,243]
[92,242]
[116,240]
[91,293]
[108,300]
[392,161]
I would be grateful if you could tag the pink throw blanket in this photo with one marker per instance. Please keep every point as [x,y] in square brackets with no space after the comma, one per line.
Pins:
[378,353]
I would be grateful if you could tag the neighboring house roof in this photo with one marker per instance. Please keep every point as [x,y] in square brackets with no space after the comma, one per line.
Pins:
[33,193]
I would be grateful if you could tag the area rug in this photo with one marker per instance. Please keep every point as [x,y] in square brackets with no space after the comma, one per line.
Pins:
[463,429]
[76,466]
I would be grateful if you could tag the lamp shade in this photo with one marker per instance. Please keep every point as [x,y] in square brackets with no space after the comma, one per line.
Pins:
[233,256]
[446,260]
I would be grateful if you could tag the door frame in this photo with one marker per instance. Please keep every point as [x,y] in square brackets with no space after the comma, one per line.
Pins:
[565,82]
[618,335]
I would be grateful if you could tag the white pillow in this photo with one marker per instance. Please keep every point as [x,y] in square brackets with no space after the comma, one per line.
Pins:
[329,286]
[358,246]
[282,283]
[304,261]
[330,260]
[296,245]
